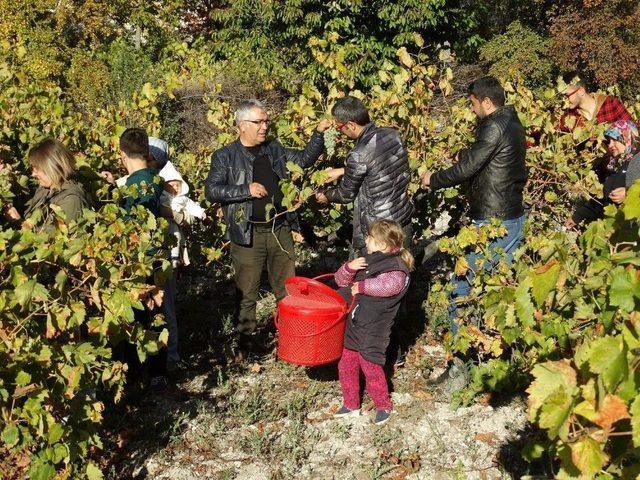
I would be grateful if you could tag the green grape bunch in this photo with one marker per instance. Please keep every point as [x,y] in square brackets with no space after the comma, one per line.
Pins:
[330,141]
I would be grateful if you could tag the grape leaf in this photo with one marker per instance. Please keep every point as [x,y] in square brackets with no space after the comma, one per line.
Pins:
[549,377]
[587,455]
[608,358]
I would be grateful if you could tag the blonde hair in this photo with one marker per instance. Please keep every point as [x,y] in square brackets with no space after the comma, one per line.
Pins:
[53,159]
[390,234]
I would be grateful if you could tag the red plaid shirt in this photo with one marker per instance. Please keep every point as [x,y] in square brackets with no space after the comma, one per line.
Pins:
[610,111]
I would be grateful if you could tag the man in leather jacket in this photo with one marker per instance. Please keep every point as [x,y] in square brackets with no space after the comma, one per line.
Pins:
[244,177]
[495,168]
[376,179]
[376,175]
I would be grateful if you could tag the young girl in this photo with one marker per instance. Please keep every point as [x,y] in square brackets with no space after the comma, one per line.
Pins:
[380,280]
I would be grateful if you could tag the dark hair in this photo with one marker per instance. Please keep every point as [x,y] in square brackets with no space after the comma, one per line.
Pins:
[134,142]
[351,109]
[487,87]
[576,80]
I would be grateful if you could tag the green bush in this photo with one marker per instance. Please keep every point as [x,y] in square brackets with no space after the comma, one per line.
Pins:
[519,53]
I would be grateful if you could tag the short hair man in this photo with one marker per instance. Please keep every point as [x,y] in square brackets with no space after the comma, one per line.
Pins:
[244,177]
[495,167]
[376,175]
[585,105]
[134,154]
[376,179]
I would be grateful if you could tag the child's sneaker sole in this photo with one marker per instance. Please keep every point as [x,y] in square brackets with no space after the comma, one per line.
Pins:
[347,414]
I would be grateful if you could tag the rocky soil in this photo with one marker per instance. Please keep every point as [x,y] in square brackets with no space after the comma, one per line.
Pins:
[261,418]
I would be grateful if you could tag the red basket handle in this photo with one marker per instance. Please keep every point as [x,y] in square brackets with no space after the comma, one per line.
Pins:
[326,275]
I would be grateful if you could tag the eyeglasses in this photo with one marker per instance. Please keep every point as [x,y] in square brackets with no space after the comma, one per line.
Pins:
[259,122]
[570,94]
[340,126]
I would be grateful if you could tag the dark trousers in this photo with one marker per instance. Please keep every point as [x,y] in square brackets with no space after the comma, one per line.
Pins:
[128,352]
[271,247]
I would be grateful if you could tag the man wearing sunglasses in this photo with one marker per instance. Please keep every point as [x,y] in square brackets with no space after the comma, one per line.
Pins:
[244,177]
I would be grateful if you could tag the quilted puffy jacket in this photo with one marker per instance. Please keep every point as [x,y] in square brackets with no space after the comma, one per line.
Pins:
[375,180]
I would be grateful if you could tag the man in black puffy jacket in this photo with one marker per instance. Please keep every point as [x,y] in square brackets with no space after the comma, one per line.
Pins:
[376,177]
[244,177]
[495,168]
[376,174]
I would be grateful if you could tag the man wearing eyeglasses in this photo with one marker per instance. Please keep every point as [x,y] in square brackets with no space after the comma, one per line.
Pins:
[587,106]
[590,107]
[375,179]
[244,177]
[376,175]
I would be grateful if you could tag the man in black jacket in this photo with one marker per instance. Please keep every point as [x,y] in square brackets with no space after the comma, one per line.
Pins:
[376,175]
[495,167]
[244,177]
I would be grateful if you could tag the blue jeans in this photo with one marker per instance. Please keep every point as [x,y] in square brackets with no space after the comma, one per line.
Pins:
[499,248]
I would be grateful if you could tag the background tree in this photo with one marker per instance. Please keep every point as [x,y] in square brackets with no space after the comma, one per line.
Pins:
[600,38]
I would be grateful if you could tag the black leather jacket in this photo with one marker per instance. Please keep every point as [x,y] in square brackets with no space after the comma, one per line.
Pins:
[232,171]
[495,164]
[375,180]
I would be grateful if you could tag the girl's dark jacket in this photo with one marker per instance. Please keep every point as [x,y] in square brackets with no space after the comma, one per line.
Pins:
[369,324]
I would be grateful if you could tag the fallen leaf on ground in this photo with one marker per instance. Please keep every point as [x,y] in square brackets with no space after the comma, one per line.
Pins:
[489,438]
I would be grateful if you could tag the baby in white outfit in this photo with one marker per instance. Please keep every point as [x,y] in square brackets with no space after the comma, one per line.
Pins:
[184,210]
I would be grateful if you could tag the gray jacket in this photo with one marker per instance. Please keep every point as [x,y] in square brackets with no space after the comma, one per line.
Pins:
[375,180]
[633,171]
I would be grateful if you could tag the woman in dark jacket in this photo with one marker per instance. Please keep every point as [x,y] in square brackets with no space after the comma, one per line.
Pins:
[623,145]
[53,166]
[622,170]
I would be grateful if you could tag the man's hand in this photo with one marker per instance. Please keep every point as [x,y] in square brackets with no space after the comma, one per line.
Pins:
[324,125]
[358,264]
[297,237]
[354,289]
[321,198]
[569,223]
[334,174]
[108,176]
[618,195]
[426,179]
[257,190]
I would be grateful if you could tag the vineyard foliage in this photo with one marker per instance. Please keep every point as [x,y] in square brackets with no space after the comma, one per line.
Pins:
[562,321]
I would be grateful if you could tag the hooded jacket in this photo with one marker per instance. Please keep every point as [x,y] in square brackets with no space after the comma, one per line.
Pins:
[71,198]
